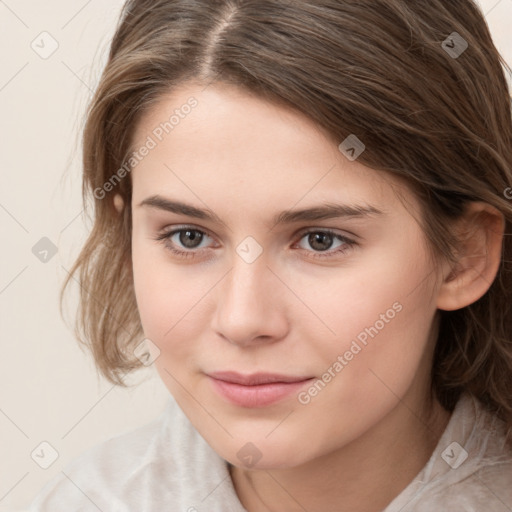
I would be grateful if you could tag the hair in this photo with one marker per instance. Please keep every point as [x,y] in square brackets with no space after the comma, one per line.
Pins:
[374,68]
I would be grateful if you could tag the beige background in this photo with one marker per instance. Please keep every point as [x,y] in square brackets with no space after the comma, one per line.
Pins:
[49,390]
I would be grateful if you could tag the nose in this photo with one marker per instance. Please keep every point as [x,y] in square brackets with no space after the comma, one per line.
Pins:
[251,305]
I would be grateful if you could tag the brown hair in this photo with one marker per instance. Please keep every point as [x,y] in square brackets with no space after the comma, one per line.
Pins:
[384,70]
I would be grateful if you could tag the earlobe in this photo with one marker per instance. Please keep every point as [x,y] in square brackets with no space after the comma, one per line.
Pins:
[480,234]
[118,203]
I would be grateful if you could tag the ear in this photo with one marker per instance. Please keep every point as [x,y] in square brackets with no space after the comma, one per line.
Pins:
[118,203]
[480,233]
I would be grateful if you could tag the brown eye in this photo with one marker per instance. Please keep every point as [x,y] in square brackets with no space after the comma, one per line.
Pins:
[321,240]
[184,242]
[190,238]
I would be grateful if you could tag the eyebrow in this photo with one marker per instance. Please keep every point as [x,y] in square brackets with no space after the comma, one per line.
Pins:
[320,212]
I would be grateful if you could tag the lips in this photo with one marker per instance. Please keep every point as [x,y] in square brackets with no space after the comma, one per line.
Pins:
[255,378]
[256,390]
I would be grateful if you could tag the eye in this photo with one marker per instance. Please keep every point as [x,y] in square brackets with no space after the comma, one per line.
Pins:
[323,239]
[187,242]
[187,237]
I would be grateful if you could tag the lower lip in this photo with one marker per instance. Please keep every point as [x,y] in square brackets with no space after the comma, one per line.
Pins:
[257,396]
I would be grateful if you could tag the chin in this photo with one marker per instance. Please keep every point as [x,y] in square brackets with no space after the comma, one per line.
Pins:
[275,462]
[264,455]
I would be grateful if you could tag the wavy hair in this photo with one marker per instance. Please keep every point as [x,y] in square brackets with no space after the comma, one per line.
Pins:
[421,83]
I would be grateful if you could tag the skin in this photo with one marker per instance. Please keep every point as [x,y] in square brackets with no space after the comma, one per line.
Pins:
[360,440]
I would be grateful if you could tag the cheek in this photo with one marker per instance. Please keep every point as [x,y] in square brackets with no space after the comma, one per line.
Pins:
[367,370]
[170,301]
[379,317]
[384,297]
[163,307]
[156,288]
[375,374]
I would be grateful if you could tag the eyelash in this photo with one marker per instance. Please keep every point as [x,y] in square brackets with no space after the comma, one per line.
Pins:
[191,253]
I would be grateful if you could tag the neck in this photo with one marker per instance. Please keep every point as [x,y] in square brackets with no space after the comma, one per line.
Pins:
[363,476]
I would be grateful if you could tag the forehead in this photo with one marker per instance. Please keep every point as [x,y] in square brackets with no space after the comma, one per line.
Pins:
[236,148]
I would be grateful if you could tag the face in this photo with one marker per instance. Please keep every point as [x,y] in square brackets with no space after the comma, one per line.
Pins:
[341,304]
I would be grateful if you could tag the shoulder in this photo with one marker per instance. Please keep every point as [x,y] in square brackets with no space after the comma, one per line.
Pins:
[482,478]
[91,480]
[470,470]
[137,470]
[487,488]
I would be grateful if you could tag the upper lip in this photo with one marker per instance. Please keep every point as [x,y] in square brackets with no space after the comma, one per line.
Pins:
[255,378]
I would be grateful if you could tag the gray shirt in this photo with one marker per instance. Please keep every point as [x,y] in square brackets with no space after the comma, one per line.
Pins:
[167,465]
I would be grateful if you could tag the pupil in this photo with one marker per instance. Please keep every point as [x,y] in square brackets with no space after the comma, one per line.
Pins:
[322,238]
[192,235]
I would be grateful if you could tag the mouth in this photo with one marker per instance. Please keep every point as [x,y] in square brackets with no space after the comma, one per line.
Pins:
[256,390]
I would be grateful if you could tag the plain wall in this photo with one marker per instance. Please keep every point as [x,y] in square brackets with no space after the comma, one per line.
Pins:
[49,389]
